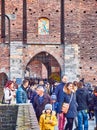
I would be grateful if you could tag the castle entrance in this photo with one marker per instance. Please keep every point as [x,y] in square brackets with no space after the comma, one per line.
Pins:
[43,66]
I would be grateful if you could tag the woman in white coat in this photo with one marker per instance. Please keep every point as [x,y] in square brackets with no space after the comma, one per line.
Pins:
[9,93]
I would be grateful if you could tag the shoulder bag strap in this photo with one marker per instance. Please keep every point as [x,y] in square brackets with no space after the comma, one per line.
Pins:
[71,98]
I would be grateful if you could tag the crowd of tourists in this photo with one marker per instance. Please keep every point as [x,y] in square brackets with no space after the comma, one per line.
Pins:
[58,106]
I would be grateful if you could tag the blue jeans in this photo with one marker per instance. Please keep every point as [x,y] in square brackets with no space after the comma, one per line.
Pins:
[82,120]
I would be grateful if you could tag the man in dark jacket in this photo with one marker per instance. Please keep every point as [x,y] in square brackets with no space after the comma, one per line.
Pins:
[59,92]
[40,100]
[82,98]
[60,99]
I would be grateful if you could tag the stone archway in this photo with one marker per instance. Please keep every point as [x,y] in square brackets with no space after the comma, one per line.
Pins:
[44,65]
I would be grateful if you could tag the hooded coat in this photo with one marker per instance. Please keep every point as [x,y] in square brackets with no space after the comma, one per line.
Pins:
[45,121]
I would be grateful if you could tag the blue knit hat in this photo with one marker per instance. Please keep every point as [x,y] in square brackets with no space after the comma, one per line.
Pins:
[53,97]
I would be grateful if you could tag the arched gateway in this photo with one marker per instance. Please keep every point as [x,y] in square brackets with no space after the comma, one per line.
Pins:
[43,65]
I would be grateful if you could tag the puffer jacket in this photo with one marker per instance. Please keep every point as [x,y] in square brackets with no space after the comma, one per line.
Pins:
[21,95]
[44,121]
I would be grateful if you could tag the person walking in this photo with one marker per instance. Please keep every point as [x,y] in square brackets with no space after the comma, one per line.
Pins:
[21,93]
[75,89]
[70,98]
[82,98]
[60,98]
[55,104]
[48,120]
[40,100]
[59,92]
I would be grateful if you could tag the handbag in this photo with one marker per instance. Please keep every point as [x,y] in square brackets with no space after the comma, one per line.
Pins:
[65,105]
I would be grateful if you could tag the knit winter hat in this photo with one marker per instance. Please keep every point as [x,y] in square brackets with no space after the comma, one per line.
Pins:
[53,97]
[48,107]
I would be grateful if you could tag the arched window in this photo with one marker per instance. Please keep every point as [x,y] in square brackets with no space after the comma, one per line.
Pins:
[43,26]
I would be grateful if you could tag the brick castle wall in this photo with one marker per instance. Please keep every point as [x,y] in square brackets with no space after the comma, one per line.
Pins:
[80,29]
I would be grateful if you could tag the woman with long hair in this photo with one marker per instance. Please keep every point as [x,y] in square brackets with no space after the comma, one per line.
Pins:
[70,97]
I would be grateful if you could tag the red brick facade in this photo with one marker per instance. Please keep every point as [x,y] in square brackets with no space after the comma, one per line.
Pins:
[80,34]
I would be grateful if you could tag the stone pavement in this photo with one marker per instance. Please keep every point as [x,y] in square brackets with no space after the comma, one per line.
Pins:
[91,124]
